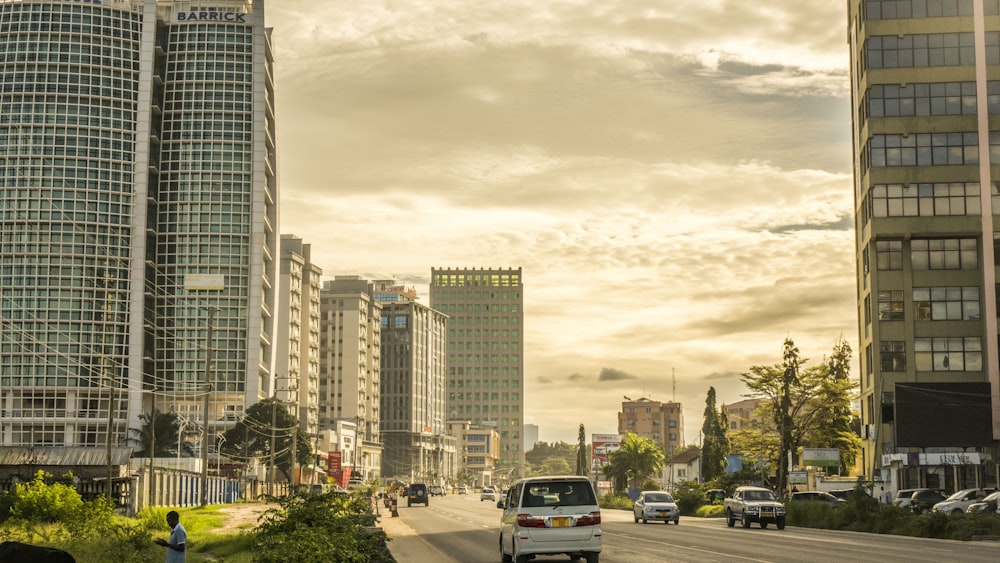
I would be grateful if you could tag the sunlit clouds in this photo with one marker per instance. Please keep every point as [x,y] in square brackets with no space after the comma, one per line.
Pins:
[673,177]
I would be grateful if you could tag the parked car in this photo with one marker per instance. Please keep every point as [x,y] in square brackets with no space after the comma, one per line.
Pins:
[550,516]
[463,490]
[843,494]
[417,494]
[657,506]
[902,498]
[987,504]
[436,491]
[960,501]
[924,500]
[816,497]
[488,493]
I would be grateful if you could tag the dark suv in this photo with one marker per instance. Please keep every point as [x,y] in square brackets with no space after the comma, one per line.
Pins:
[923,500]
[417,494]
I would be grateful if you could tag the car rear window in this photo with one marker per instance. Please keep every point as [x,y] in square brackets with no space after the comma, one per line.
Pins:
[561,493]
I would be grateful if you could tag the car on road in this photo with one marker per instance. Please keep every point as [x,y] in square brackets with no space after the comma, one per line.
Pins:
[463,490]
[417,493]
[961,500]
[549,516]
[749,504]
[816,497]
[436,490]
[657,506]
[488,493]
[987,505]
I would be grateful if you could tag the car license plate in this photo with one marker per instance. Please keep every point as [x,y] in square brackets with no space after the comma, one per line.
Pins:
[561,522]
[767,513]
[662,514]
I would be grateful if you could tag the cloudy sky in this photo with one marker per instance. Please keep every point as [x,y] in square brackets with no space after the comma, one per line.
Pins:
[673,176]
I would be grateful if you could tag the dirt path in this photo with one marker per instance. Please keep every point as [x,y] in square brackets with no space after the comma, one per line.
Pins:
[244,516]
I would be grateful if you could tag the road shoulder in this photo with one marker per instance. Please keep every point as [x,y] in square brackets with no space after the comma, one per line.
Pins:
[407,546]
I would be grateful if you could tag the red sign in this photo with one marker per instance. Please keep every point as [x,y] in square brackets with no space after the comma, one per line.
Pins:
[333,462]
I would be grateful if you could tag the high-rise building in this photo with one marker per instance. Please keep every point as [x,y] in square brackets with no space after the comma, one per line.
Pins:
[662,423]
[925,106]
[138,214]
[350,367]
[485,352]
[298,329]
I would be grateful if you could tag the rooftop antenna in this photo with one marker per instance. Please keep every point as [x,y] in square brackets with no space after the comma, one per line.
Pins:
[673,397]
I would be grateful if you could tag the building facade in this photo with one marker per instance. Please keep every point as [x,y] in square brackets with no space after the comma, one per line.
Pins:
[298,333]
[413,424]
[662,423]
[925,79]
[485,309]
[350,366]
[743,415]
[138,215]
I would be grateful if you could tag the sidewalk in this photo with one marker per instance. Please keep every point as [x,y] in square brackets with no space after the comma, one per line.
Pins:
[406,546]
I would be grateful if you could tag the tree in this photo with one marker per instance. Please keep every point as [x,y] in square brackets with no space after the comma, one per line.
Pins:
[799,399]
[166,427]
[637,459]
[715,443]
[582,467]
[251,437]
[835,419]
[540,458]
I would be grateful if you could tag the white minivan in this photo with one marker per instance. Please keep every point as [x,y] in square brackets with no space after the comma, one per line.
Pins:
[550,515]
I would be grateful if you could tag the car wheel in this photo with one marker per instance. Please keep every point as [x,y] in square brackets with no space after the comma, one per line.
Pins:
[745,521]
[636,518]
[644,521]
[956,511]
[763,525]
[781,524]
[730,521]
[503,555]
[677,521]
[522,558]
[593,557]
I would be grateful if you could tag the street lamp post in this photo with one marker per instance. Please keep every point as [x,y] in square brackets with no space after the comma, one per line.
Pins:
[218,455]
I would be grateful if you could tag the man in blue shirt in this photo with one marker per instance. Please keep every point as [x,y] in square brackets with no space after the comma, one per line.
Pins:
[178,539]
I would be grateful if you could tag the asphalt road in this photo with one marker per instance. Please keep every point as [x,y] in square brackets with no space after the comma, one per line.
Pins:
[463,528]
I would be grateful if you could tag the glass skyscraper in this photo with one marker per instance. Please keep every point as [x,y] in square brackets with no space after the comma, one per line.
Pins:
[138,214]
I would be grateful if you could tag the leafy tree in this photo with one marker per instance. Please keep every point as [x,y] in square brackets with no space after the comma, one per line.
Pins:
[800,400]
[715,442]
[835,419]
[167,427]
[637,459]
[758,450]
[582,466]
[251,437]
[540,459]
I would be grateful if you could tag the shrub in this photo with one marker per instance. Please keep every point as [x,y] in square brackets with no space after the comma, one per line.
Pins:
[615,501]
[689,496]
[710,511]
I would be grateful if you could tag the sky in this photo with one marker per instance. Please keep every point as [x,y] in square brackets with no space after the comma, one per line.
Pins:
[673,176]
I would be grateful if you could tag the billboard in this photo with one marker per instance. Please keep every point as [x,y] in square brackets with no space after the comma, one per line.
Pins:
[602,446]
[953,414]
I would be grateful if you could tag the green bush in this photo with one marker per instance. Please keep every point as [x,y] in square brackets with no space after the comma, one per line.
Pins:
[615,502]
[689,496]
[710,511]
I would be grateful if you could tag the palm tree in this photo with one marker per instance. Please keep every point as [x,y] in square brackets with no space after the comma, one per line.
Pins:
[636,460]
[166,426]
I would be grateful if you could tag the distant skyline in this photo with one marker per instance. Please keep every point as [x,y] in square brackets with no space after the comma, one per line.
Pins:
[674,178]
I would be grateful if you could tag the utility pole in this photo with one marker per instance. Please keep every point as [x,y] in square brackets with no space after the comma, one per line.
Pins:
[107,375]
[205,405]
[274,422]
[152,445]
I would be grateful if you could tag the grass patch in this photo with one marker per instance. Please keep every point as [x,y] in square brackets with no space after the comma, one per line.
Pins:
[710,511]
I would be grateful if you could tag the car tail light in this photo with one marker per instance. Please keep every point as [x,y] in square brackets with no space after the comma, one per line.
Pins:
[529,521]
[592,519]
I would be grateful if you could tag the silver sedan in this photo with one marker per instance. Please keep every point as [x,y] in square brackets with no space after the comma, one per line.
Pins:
[657,506]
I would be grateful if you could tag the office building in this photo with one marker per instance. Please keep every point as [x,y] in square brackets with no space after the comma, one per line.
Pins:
[662,423]
[413,424]
[350,367]
[925,107]
[138,215]
[485,309]
[298,333]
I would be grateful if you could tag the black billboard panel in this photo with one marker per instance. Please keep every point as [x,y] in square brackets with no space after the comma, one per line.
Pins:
[943,414]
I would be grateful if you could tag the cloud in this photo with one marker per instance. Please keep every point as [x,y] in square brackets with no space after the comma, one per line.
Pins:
[611,374]
[577,377]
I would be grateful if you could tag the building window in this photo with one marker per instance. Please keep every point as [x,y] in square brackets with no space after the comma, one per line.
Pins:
[922,50]
[944,254]
[946,303]
[922,149]
[892,355]
[925,200]
[889,254]
[918,9]
[672,424]
[890,305]
[948,354]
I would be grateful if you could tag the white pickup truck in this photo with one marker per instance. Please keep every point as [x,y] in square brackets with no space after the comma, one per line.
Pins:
[754,504]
